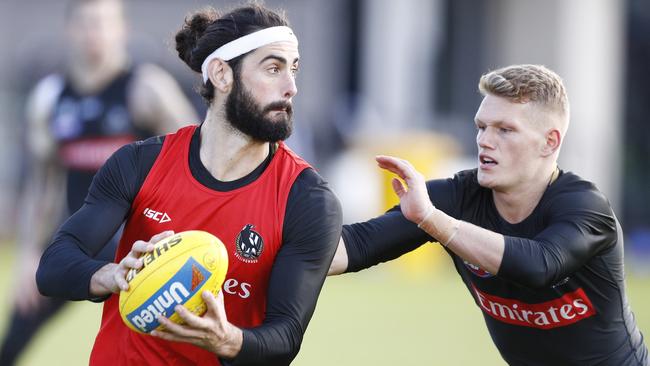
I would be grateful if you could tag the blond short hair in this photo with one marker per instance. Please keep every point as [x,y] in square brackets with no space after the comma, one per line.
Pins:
[528,83]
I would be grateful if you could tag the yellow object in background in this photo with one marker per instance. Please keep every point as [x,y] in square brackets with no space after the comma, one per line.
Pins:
[428,152]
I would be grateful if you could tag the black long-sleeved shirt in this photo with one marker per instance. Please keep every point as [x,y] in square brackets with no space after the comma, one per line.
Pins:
[559,297]
[310,234]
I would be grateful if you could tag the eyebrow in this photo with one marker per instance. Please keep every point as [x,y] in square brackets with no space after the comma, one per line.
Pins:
[280,59]
[499,123]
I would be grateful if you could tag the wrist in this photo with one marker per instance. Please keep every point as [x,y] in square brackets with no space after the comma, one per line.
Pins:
[230,349]
[429,212]
[454,230]
[102,282]
[441,226]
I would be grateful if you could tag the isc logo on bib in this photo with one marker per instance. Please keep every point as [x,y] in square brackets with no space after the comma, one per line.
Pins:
[161,217]
[180,288]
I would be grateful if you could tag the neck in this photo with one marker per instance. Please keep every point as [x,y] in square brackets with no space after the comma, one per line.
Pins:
[227,153]
[88,77]
[515,205]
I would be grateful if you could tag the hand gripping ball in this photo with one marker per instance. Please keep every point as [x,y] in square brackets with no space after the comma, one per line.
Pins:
[176,272]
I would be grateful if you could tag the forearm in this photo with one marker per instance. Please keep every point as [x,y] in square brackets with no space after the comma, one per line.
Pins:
[65,271]
[311,232]
[294,287]
[275,343]
[379,240]
[68,264]
[28,236]
[41,200]
[474,244]
[41,207]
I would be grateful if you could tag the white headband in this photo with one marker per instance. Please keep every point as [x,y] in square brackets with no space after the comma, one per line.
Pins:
[248,43]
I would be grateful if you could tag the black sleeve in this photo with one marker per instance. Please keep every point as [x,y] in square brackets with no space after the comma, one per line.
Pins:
[311,233]
[581,225]
[391,235]
[67,265]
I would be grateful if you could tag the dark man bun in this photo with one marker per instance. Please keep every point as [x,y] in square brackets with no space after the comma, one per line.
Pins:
[187,38]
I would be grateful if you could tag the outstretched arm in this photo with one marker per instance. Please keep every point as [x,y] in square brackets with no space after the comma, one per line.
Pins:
[388,236]
[580,225]
[470,242]
[67,266]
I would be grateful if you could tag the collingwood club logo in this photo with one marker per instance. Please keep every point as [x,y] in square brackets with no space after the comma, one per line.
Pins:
[249,244]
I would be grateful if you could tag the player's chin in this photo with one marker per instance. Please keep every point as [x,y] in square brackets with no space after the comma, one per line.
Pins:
[279,117]
[485,180]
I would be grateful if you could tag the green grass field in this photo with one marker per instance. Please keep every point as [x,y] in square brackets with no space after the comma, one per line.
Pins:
[383,316]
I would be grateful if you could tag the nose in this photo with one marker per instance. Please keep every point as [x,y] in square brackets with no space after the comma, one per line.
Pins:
[484,138]
[290,88]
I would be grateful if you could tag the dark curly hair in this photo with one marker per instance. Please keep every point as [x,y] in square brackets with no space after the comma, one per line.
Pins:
[206,30]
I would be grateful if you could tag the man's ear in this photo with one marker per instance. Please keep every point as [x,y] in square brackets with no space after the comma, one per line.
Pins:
[221,75]
[552,143]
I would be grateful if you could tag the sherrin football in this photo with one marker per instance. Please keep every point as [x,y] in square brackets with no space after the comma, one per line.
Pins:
[176,272]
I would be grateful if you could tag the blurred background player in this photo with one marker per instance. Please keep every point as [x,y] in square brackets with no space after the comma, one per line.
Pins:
[76,120]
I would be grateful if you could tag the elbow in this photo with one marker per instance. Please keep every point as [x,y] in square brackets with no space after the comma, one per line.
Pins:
[277,345]
[536,278]
[290,355]
[46,274]
[537,283]
[287,357]
[295,348]
[42,280]
[293,343]
[532,265]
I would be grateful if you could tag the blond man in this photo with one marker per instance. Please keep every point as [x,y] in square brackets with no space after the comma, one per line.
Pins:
[539,249]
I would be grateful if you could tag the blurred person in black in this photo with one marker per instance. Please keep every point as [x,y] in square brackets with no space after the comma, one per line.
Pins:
[539,249]
[75,121]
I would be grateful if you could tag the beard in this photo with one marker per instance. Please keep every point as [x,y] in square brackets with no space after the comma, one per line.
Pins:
[247,116]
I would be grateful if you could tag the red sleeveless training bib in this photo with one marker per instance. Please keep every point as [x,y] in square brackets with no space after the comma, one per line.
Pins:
[249,221]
